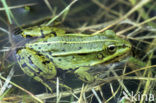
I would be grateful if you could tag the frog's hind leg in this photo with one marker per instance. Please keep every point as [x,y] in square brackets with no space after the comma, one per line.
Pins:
[42,31]
[84,75]
[35,65]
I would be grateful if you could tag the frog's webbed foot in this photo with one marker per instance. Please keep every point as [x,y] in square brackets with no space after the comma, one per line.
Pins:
[84,75]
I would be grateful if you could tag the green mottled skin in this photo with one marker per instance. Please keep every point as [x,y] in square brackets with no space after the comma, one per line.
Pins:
[71,52]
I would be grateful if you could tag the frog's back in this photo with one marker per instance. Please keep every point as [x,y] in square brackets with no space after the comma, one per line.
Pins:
[70,44]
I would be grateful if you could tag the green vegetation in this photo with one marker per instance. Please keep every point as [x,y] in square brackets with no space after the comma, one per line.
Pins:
[132,20]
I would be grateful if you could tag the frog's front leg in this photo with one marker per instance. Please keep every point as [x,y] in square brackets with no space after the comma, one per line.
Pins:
[84,75]
[35,65]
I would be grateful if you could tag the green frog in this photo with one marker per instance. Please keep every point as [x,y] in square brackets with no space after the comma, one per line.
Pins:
[54,49]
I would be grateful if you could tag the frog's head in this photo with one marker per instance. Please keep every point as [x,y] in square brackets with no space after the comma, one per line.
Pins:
[115,48]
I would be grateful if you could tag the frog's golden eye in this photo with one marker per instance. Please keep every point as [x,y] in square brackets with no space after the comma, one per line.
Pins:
[111,48]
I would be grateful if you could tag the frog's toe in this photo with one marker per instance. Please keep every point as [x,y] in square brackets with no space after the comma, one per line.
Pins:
[86,77]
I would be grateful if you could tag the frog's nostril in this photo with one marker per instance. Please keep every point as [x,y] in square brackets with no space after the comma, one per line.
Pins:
[124,45]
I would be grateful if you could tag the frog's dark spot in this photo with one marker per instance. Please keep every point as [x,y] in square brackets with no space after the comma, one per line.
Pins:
[47,56]
[36,44]
[30,61]
[124,45]
[63,50]
[24,65]
[59,59]
[70,69]
[39,47]
[50,53]
[64,43]
[34,75]
[42,51]
[42,34]
[18,49]
[79,48]
[37,53]
[31,49]
[45,41]
[46,62]
[29,56]
[73,57]
[85,79]
[51,59]
[28,36]
[22,58]
[100,56]
[53,32]
[48,44]
[39,71]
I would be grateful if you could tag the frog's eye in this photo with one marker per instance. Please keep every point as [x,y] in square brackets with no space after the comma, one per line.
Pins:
[111,48]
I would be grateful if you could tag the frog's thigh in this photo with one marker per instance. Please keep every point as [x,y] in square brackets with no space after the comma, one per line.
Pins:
[84,75]
[42,31]
[35,65]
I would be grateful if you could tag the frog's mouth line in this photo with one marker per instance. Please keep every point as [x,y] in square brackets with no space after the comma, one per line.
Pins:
[117,58]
